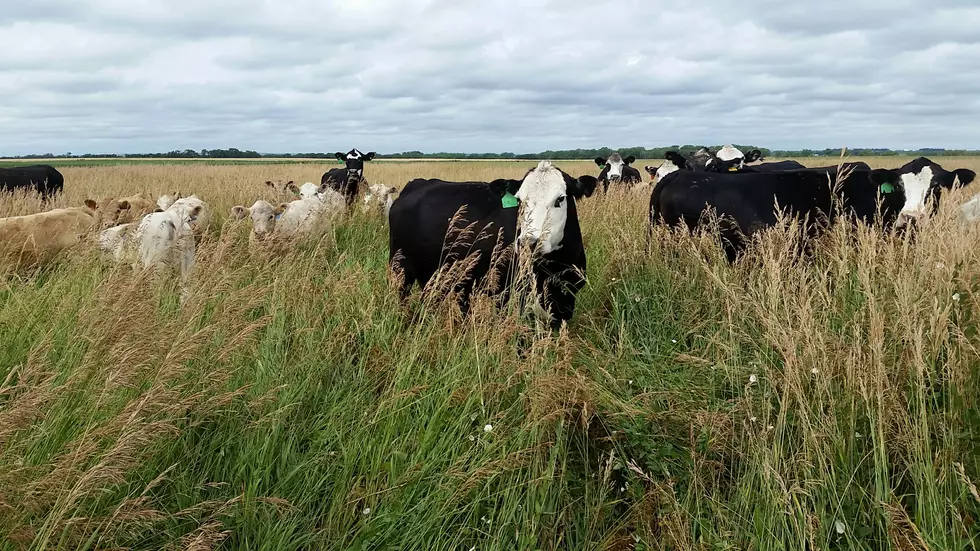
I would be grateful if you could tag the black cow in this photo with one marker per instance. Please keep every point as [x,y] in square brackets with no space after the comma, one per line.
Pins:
[43,179]
[745,202]
[924,182]
[346,180]
[616,170]
[420,218]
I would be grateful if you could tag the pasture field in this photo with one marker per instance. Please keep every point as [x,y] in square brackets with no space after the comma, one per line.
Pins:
[291,403]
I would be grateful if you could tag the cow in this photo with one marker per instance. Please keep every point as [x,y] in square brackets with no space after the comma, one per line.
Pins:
[167,240]
[298,218]
[201,221]
[537,212]
[284,191]
[616,169]
[924,182]
[26,241]
[44,179]
[380,197]
[746,202]
[727,159]
[116,212]
[346,180]
[164,201]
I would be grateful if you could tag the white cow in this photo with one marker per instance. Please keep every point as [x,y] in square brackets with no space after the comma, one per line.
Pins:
[379,196]
[294,219]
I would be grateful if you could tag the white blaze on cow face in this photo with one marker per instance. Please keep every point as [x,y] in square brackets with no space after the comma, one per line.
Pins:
[544,208]
[615,164]
[666,168]
[916,190]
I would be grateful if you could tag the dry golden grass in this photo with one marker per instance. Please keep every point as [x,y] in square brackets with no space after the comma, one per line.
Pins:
[292,403]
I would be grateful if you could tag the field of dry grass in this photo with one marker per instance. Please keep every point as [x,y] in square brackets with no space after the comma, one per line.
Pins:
[292,404]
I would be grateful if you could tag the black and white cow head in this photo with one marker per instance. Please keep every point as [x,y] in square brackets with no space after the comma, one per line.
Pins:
[924,182]
[615,168]
[547,205]
[354,160]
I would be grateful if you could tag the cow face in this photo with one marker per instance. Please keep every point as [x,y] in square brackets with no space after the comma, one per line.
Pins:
[165,201]
[378,196]
[545,195]
[309,190]
[283,189]
[673,161]
[924,182]
[114,212]
[263,216]
[354,160]
[612,167]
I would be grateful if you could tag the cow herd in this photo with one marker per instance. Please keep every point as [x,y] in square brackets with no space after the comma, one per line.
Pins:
[487,227]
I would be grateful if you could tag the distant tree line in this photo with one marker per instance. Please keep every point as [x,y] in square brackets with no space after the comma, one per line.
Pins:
[564,154]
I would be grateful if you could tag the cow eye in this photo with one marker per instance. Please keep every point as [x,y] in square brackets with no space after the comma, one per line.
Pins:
[559,201]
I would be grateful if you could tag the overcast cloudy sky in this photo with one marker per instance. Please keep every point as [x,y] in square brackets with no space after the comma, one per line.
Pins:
[93,76]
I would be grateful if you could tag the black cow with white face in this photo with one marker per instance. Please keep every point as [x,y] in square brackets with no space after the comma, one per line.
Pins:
[44,179]
[747,201]
[538,211]
[924,182]
[347,180]
[616,170]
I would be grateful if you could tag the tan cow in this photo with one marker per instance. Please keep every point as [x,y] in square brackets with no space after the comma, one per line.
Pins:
[116,212]
[35,238]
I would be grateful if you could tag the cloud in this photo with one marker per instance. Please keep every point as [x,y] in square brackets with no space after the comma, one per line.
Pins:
[461,75]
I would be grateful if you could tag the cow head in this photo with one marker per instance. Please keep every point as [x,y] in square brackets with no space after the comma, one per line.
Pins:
[263,216]
[378,196]
[165,201]
[114,212]
[547,196]
[354,161]
[729,159]
[613,166]
[283,189]
[673,161]
[924,181]
[309,190]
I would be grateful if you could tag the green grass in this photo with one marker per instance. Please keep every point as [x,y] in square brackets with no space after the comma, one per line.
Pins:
[292,404]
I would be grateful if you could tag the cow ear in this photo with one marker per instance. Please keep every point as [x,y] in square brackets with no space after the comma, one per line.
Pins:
[753,156]
[340,156]
[369,156]
[323,188]
[292,187]
[965,175]
[503,186]
[270,184]
[290,182]
[92,205]
[124,205]
[676,158]
[600,161]
[882,176]
[281,208]
[650,170]
[583,186]
[239,212]
[392,190]
[629,160]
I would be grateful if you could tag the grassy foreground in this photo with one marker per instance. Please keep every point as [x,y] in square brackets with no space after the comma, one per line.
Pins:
[292,404]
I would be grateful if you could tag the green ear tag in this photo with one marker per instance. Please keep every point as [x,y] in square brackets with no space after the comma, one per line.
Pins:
[508,201]
[887,188]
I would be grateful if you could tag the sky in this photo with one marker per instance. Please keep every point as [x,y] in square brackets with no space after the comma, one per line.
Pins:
[277,76]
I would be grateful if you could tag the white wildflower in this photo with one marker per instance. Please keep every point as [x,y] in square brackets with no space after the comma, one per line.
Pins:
[753,379]
[367,511]
[631,382]
[814,371]
[472,438]
[956,297]
[839,526]
[488,428]
[753,420]
[673,341]
[771,427]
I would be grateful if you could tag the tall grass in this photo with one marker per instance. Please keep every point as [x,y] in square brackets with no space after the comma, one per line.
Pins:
[293,403]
